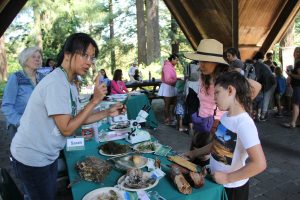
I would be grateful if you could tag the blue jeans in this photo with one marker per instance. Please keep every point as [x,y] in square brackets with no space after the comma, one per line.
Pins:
[266,98]
[39,182]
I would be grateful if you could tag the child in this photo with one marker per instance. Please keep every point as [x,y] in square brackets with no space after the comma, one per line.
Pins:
[280,90]
[236,138]
[137,76]
[180,105]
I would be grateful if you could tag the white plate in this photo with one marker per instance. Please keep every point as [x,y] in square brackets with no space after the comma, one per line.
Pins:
[121,183]
[105,154]
[126,162]
[135,147]
[93,195]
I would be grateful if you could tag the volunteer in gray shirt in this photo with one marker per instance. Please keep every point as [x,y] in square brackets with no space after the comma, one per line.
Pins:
[51,115]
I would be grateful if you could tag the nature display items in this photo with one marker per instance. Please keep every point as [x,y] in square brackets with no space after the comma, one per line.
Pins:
[186,175]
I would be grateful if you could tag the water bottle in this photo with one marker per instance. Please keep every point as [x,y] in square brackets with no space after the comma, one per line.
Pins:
[149,76]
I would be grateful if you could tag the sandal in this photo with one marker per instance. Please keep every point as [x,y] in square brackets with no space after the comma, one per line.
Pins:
[288,125]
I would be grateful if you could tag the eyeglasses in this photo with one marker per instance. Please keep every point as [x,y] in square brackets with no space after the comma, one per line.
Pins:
[89,58]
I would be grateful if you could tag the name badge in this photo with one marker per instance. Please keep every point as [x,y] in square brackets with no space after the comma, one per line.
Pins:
[74,144]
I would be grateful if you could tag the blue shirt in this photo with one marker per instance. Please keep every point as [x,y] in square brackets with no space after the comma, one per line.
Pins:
[281,85]
[16,94]
[105,80]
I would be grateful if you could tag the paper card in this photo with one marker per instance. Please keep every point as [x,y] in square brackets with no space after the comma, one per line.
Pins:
[142,195]
[162,150]
[74,144]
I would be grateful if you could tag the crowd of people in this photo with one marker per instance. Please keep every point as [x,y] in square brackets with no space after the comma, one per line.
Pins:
[220,96]
[222,99]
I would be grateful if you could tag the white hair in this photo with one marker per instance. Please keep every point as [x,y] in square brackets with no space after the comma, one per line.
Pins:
[26,53]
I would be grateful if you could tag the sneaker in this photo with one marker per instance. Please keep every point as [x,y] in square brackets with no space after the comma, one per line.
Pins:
[288,125]
[278,115]
[263,119]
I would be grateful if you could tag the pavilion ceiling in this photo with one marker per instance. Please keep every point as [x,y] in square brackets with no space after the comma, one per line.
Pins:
[249,25]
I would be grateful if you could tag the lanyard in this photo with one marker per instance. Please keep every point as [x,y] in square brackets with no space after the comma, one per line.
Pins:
[73,103]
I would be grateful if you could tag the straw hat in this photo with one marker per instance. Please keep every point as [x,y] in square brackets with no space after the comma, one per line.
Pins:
[209,50]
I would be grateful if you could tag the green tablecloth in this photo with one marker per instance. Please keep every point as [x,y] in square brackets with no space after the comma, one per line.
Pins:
[165,187]
[135,104]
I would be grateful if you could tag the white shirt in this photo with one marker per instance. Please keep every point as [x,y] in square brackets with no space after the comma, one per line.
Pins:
[233,136]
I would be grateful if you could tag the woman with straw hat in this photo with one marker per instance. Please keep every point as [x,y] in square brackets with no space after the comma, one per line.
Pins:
[211,65]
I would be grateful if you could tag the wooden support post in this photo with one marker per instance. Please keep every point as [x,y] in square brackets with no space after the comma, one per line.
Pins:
[235,24]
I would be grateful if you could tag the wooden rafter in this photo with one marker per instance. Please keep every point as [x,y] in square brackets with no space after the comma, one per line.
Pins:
[9,12]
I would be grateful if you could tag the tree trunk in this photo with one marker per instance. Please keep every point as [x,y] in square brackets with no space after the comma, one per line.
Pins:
[153,43]
[174,32]
[112,35]
[37,25]
[3,62]
[141,32]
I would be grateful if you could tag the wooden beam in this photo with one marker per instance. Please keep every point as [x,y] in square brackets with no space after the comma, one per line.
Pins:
[235,23]
[9,12]
[189,9]
[288,13]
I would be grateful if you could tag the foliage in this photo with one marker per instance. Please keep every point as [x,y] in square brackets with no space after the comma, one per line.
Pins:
[2,87]
[92,16]
[297,30]
[54,38]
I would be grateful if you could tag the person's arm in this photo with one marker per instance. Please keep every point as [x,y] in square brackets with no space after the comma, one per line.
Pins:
[9,99]
[115,87]
[68,124]
[255,165]
[255,87]
[124,87]
[295,76]
[198,152]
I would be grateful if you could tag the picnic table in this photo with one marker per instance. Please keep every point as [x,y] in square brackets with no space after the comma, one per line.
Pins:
[165,187]
[151,93]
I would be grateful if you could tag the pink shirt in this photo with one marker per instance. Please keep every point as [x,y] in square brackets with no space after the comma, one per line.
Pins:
[118,87]
[207,102]
[168,75]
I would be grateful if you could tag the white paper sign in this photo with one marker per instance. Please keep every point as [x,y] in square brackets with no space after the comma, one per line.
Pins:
[74,144]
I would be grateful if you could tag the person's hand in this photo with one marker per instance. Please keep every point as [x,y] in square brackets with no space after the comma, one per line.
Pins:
[288,72]
[220,177]
[100,91]
[185,156]
[188,155]
[116,109]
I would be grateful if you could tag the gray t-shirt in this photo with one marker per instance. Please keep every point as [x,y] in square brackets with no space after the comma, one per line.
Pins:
[38,140]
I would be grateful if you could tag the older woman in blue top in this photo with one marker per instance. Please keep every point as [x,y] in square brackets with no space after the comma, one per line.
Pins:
[20,86]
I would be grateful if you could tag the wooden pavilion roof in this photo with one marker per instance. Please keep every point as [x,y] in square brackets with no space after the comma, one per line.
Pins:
[249,25]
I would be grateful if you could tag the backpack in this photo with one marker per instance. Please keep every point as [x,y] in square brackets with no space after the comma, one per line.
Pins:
[249,71]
